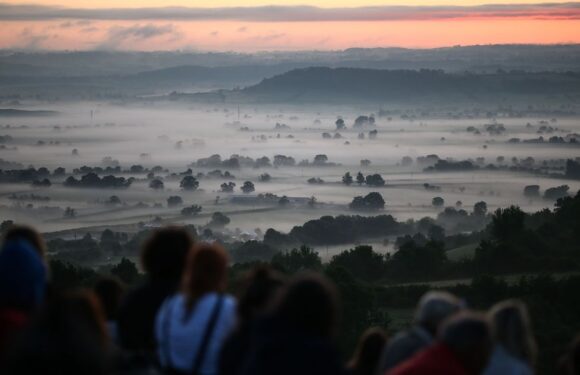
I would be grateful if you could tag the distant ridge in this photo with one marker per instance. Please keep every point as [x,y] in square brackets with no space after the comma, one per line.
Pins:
[321,84]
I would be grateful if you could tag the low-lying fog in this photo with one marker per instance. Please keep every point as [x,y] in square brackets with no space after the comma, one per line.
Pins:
[174,137]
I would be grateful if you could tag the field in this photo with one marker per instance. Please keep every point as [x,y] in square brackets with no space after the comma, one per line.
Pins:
[175,136]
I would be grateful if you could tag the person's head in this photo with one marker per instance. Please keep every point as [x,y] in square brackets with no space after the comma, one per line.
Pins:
[511,329]
[22,276]
[205,272]
[165,252]
[468,336]
[368,351]
[68,338]
[569,363]
[28,234]
[309,303]
[109,291]
[434,307]
[260,287]
[82,312]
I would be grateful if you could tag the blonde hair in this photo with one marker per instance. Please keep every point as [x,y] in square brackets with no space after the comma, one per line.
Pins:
[511,328]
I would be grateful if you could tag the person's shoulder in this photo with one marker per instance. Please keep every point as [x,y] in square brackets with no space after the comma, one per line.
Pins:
[229,301]
[501,362]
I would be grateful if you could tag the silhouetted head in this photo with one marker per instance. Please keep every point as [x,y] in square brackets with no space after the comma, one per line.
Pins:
[259,290]
[368,352]
[309,304]
[569,363]
[29,234]
[468,336]
[434,307]
[511,329]
[206,271]
[165,252]
[109,291]
[68,338]
[22,276]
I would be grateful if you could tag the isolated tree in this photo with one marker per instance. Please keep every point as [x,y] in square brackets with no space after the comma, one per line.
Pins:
[532,191]
[284,201]
[360,178]
[375,180]
[557,192]
[438,201]
[189,183]
[219,220]
[315,180]
[174,200]
[156,184]
[372,201]
[70,212]
[320,159]
[228,187]
[265,177]
[347,179]
[480,209]
[248,187]
[340,125]
[114,200]
[365,163]
[191,210]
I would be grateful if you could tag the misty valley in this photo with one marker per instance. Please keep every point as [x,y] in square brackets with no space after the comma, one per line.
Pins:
[79,168]
[268,189]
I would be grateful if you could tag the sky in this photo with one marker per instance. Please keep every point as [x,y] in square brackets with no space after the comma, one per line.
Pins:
[257,25]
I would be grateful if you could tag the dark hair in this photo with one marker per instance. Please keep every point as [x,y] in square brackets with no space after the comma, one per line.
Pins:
[205,272]
[569,362]
[259,289]
[165,251]
[29,234]
[368,351]
[68,338]
[109,291]
[468,335]
[309,303]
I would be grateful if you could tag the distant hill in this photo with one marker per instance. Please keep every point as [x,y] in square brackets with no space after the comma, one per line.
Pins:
[350,84]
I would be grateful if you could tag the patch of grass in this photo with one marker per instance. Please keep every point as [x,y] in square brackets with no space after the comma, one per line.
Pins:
[462,252]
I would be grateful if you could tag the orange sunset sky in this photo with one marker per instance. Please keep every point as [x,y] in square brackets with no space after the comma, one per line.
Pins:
[254,25]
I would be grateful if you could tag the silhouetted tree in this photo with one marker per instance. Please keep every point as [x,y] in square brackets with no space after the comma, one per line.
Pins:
[189,183]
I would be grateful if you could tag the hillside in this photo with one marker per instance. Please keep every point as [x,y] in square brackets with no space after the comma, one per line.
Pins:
[319,84]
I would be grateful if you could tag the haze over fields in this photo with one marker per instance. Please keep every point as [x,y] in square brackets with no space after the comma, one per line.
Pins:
[510,121]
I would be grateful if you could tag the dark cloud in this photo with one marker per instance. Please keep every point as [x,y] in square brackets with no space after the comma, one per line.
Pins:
[293,13]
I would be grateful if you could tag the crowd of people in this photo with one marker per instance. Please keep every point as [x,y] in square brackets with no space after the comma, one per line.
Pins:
[182,320]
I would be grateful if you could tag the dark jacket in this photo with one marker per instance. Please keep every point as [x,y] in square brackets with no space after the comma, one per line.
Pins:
[136,318]
[277,348]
